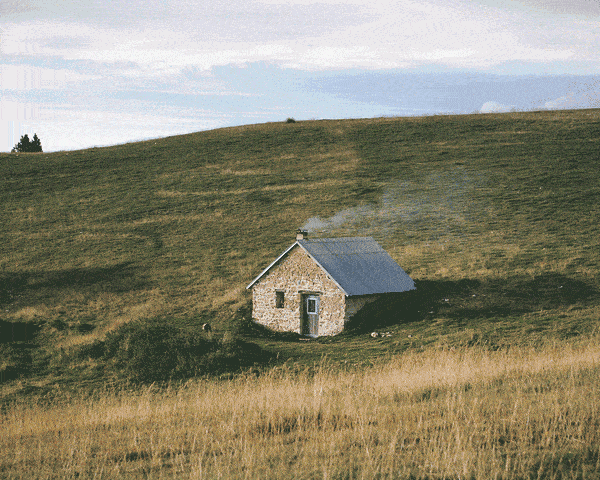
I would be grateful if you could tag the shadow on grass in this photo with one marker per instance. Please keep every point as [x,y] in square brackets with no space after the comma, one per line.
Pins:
[122,277]
[18,331]
[17,360]
[469,299]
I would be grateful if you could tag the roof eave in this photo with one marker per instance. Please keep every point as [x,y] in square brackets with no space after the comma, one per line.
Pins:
[383,293]
[272,264]
[329,274]
[324,269]
[285,253]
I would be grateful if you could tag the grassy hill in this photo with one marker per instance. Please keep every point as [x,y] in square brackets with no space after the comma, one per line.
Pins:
[491,368]
[495,216]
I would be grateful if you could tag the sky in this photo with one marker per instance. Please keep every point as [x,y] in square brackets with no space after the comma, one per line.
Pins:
[85,73]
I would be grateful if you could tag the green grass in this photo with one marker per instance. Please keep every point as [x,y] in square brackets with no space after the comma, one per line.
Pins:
[498,213]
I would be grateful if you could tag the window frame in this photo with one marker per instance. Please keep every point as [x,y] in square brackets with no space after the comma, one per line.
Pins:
[314,302]
[279,299]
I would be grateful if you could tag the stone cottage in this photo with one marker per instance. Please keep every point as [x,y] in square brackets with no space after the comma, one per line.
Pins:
[316,285]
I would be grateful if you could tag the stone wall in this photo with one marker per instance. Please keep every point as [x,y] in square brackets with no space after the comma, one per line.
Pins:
[295,274]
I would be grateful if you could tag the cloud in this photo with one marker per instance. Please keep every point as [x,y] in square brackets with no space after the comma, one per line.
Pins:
[24,77]
[575,7]
[166,37]
[495,107]
[576,100]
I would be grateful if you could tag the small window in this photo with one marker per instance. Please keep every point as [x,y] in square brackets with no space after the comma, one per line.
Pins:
[279,299]
[311,306]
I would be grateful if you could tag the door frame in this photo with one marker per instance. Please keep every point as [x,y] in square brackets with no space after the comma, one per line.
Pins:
[304,319]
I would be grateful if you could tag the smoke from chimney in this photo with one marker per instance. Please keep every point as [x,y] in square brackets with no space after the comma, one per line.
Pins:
[442,200]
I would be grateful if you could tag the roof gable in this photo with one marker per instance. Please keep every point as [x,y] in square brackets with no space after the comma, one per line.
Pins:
[358,265]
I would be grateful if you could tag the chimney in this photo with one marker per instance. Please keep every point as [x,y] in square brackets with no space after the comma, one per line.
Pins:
[301,234]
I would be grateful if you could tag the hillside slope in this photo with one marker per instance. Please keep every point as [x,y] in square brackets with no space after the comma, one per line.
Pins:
[495,216]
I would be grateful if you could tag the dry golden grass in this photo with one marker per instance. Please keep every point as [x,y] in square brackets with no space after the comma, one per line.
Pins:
[468,413]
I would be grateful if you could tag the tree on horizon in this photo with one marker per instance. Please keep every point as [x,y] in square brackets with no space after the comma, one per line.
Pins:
[28,146]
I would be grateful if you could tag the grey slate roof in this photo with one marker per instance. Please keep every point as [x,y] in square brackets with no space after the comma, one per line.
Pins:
[358,265]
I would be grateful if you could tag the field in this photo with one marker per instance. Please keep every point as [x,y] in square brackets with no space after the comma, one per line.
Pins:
[469,413]
[490,369]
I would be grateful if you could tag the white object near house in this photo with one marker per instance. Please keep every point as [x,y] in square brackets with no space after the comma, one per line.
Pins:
[315,286]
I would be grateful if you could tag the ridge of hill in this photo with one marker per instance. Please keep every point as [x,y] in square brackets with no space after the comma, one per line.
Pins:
[495,216]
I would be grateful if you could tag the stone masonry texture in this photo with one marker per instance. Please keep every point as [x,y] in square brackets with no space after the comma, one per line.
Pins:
[294,275]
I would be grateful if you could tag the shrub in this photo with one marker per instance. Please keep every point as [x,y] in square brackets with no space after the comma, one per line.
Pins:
[156,350]
[290,120]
